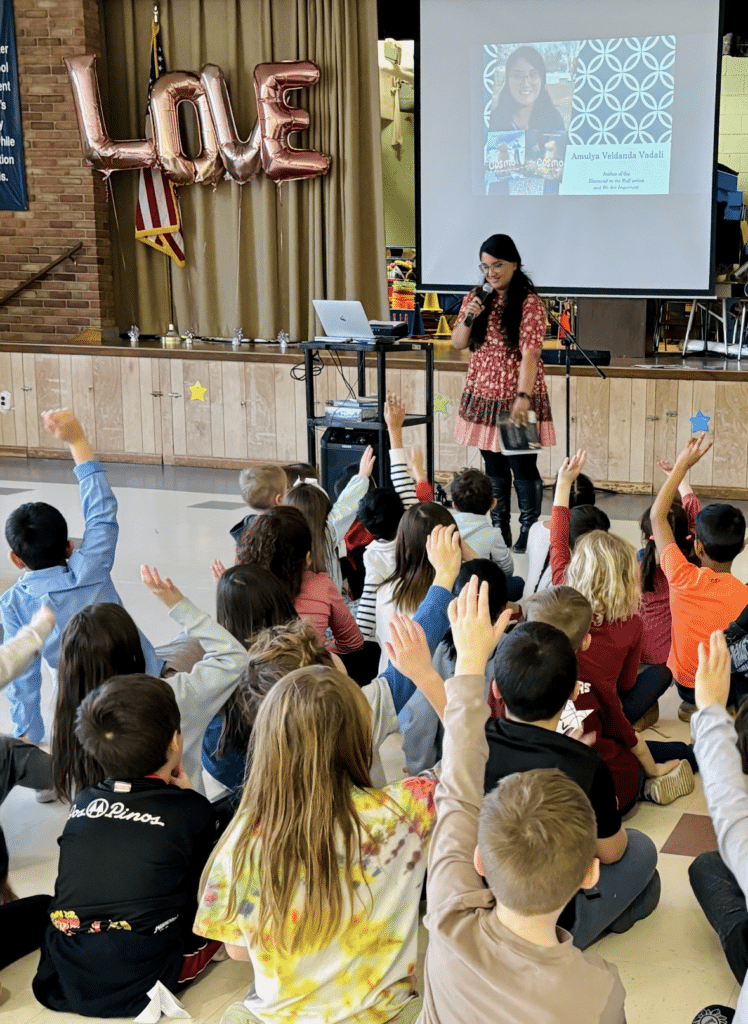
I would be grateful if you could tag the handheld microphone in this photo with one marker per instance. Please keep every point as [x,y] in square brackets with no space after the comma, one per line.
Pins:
[483,296]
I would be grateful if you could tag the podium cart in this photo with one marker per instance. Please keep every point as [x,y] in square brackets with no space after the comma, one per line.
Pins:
[376,428]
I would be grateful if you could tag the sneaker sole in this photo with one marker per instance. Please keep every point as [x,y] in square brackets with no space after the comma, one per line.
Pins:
[667,788]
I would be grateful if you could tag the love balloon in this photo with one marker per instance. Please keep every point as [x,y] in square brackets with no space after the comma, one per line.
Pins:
[223,152]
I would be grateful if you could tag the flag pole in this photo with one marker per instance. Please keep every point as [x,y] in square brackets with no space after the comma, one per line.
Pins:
[173,330]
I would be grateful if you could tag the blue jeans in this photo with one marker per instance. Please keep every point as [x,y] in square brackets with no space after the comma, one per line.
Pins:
[628,891]
[650,685]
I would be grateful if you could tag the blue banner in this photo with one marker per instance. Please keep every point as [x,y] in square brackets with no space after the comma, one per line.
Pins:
[12,173]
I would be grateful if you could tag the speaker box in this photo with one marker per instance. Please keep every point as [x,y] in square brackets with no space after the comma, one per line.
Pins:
[342,446]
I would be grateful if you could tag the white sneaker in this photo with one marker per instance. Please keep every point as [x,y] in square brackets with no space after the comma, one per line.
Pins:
[666,788]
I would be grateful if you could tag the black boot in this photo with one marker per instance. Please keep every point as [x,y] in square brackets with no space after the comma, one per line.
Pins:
[500,513]
[530,498]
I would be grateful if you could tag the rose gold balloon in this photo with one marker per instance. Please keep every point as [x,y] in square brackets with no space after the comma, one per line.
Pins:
[241,159]
[168,92]
[280,161]
[98,148]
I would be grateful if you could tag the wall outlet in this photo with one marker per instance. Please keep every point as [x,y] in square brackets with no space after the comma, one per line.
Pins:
[5,399]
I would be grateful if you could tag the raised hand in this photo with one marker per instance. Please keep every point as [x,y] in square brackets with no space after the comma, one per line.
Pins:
[217,568]
[164,590]
[712,683]
[408,649]
[695,450]
[62,424]
[394,412]
[474,635]
[571,468]
[444,552]
[366,465]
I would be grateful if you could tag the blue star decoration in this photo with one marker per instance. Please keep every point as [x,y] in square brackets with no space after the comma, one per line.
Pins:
[699,423]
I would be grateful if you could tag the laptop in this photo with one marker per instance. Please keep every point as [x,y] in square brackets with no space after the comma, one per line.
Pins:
[344,320]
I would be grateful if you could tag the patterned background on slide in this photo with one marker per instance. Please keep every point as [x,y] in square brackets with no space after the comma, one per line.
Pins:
[623,91]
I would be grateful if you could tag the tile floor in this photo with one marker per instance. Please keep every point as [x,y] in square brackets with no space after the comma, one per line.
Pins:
[178,519]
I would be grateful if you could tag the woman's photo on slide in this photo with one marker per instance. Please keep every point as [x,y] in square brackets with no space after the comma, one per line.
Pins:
[528,89]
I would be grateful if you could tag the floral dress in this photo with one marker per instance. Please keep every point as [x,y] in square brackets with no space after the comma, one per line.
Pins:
[493,375]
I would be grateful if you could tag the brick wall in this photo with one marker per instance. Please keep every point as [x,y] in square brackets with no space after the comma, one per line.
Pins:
[67,200]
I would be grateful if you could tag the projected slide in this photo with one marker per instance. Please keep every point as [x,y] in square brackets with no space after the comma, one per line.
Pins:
[587,131]
[577,117]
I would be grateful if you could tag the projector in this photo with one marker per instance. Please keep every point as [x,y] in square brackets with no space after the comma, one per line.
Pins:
[389,328]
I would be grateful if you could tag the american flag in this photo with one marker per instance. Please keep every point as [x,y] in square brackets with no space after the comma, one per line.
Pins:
[157,221]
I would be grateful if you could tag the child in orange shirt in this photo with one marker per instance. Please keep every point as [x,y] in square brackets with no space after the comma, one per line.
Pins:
[704,599]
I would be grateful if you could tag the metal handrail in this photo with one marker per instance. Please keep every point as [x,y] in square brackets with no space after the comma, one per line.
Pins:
[31,280]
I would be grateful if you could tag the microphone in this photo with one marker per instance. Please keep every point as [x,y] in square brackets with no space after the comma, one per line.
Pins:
[483,296]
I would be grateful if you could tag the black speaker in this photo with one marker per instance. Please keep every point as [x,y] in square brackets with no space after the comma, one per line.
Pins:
[342,446]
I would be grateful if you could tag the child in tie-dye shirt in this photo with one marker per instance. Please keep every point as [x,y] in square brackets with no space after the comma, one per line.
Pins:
[319,879]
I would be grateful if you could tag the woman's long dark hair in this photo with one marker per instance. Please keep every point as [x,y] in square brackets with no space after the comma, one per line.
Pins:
[544,114]
[678,521]
[248,600]
[501,247]
[99,642]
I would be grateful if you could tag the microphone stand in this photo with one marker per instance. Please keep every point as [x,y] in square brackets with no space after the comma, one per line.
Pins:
[567,341]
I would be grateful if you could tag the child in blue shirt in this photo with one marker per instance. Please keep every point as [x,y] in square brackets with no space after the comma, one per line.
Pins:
[58,575]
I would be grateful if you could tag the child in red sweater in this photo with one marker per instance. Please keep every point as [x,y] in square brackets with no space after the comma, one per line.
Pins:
[603,568]
[594,719]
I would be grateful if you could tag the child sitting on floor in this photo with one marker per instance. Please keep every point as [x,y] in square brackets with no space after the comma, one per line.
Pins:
[58,575]
[536,675]
[131,855]
[704,599]
[496,953]
[644,772]
[262,487]
[472,500]
[319,877]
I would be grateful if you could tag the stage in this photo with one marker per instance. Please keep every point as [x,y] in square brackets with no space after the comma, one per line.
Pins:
[147,404]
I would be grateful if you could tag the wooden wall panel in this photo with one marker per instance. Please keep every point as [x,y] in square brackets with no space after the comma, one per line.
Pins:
[704,399]
[7,419]
[234,415]
[31,408]
[198,434]
[260,411]
[162,381]
[592,405]
[730,465]
[286,445]
[666,425]
[619,429]
[175,395]
[107,382]
[18,399]
[637,421]
[150,407]
[82,385]
[214,384]
[133,400]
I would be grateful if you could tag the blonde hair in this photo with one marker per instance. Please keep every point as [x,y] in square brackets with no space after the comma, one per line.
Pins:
[310,746]
[603,568]
[261,485]
[536,836]
[564,608]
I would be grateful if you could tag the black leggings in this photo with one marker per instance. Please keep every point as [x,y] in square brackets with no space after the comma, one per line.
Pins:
[521,467]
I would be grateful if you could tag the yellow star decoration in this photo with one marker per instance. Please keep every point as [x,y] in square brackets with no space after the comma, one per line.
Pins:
[441,403]
[197,392]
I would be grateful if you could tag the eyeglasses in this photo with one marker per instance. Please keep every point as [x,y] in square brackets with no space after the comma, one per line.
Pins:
[494,268]
[517,78]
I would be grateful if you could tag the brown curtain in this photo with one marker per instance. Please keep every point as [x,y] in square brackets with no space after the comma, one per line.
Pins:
[256,255]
